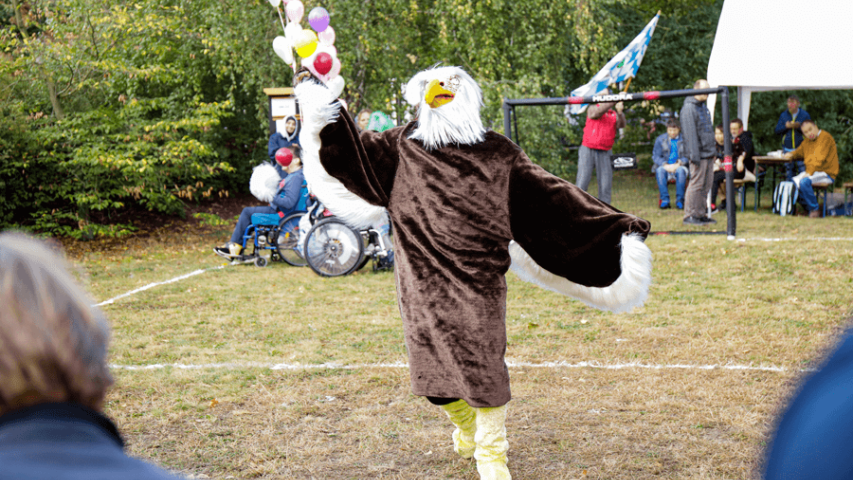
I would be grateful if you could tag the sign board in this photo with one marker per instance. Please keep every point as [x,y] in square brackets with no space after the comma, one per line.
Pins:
[282,107]
[624,161]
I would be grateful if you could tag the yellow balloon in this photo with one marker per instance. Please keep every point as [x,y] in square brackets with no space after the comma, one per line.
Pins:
[306,43]
[307,50]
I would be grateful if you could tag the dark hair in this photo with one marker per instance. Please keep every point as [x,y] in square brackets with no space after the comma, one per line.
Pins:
[673,123]
[720,128]
[809,120]
[297,151]
[738,121]
[794,97]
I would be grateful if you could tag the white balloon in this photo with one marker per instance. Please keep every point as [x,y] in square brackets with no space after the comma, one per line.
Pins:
[327,36]
[295,9]
[336,85]
[283,49]
[292,31]
[275,3]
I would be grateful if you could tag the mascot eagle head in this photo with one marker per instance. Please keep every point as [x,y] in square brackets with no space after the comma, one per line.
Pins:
[448,103]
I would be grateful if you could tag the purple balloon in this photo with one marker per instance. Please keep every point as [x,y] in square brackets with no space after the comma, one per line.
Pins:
[318,19]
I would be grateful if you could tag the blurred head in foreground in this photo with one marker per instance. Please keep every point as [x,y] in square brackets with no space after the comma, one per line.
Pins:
[53,344]
[814,436]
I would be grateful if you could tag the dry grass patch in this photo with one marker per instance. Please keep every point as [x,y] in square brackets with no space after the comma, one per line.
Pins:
[356,424]
[713,301]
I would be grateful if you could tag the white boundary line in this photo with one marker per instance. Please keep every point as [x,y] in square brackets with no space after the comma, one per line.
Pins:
[510,364]
[800,239]
[152,285]
[199,272]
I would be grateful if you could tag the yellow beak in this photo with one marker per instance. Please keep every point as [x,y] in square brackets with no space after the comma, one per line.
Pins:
[436,95]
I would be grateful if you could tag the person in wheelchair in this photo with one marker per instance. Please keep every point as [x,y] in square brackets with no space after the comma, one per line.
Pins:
[284,203]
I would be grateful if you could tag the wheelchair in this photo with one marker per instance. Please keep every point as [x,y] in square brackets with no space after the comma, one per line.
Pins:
[273,238]
[331,248]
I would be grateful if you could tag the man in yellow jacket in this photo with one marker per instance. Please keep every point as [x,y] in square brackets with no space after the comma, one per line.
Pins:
[820,155]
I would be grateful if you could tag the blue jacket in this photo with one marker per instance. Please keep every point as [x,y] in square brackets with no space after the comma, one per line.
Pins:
[291,196]
[660,154]
[281,140]
[697,131]
[814,437]
[786,133]
[66,441]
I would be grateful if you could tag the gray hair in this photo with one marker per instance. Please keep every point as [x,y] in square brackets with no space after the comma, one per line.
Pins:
[53,343]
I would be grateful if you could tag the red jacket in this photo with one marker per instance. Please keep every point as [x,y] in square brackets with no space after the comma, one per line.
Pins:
[600,133]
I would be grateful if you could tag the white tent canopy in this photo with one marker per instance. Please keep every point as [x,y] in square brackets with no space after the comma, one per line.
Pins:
[764,45]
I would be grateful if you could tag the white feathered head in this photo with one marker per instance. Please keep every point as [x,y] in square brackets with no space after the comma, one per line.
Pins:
[448,102]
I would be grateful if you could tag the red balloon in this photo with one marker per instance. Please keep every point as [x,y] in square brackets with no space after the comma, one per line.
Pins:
[323,63]
[283,156]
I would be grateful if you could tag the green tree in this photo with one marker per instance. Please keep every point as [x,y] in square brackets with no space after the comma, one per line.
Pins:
[106,107]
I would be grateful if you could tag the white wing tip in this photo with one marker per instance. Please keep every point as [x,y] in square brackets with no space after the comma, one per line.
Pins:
[631,288]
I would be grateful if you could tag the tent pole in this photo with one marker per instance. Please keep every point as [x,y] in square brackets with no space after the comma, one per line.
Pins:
[727,164]
[744,99]
[515,124]
[507,126]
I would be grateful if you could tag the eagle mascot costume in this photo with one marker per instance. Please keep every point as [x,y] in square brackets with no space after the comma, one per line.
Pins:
[467,205]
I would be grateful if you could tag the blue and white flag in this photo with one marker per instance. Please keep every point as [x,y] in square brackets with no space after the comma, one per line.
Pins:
[620,68]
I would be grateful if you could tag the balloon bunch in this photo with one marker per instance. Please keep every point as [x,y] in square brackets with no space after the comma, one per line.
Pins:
[317,50]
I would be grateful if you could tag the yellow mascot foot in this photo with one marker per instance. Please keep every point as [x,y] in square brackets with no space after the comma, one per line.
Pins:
[491,444]
[464,417]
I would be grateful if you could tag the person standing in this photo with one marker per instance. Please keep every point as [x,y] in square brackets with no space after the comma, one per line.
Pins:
[363,119]
[287,138]
[788,127]
[602,123]
[698,133]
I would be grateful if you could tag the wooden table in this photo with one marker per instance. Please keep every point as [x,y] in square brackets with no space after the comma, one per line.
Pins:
[774,162]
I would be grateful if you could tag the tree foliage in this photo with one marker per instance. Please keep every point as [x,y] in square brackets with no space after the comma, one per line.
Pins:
[111,106]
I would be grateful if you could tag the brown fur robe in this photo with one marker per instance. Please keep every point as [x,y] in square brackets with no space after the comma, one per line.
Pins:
[455,211]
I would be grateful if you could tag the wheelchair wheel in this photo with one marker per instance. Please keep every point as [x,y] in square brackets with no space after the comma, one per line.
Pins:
[333,249]
[288,239]
[366,242]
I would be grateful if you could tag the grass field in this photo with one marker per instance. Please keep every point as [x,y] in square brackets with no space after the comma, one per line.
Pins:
[267,401]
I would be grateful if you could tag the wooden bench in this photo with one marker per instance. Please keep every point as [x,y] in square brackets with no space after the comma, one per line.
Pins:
[822,188]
